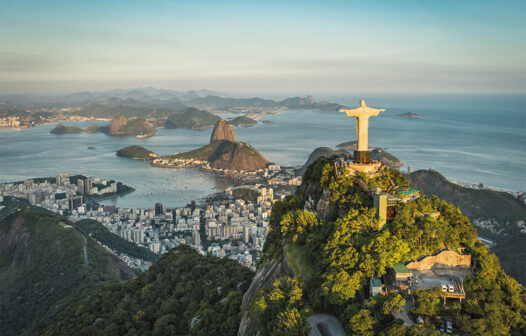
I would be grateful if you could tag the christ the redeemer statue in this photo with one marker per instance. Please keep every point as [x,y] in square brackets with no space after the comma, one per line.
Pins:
[362,114]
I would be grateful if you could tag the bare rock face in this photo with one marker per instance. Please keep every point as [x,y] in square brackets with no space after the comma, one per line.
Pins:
[223,131]
[116,124]
[264,278]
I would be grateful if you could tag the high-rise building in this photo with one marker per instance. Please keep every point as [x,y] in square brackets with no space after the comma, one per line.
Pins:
[80,186]
[75,202]
[60,196]
[110,209]
[196,238]
[89,185]
[159,209]
[246,234]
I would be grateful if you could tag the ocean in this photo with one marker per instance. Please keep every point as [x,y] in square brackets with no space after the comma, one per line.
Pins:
[469,138]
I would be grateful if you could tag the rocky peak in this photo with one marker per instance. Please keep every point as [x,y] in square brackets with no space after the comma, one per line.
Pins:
[223,131]
[309,100]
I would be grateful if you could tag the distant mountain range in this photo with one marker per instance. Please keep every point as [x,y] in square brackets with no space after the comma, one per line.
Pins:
[290,103]
[150,97]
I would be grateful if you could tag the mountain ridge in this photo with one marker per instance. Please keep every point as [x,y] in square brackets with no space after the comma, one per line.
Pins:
[35,285]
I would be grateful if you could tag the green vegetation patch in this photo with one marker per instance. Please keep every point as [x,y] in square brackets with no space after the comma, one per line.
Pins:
[184,293]
[43,268]
[344,250]
[97,231]
[191,118]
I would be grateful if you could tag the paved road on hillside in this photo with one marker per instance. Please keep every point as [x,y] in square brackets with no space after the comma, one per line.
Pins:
[85,252]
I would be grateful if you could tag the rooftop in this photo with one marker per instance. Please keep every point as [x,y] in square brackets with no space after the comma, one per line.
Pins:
[375,282]
[400,268]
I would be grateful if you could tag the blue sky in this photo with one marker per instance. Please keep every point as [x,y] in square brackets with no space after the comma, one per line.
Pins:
[265,48]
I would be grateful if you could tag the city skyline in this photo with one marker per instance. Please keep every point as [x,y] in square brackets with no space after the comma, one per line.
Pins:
[267,49]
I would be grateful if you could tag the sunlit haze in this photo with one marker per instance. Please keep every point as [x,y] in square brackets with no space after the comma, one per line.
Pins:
[265,48]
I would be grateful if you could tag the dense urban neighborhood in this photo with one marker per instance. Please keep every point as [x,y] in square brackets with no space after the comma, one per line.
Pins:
[233,223]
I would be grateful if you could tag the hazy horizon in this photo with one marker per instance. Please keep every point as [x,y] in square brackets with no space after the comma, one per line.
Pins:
[271,49]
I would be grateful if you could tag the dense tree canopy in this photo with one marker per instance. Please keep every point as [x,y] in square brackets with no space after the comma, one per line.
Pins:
[184,293]
[334,258]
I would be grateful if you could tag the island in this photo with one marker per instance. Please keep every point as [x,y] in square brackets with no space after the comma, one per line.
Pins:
[61,129]
[243,121]
[141,128]
[137,153]
[409,115]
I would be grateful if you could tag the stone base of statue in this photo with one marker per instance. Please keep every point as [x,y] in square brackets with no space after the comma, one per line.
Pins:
[362,157]
[371,169]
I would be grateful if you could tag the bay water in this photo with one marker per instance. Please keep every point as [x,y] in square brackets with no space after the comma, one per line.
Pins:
[470,138]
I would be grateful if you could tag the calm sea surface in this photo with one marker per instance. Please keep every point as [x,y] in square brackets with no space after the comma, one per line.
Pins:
[477,139]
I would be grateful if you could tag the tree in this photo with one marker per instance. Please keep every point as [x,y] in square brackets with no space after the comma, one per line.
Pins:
[427,302]
[362,323]
[291,323]
[393,302]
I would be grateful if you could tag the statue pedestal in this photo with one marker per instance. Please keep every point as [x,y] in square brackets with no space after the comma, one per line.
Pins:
[362,157]
[372,169]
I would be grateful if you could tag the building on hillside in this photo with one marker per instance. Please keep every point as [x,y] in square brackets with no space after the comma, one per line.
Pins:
[408,195]
[375,286]
[380,204]
[401,272]
[385,204]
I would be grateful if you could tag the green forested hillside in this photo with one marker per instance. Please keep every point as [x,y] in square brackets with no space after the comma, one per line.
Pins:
[184,293]
[335,253]
[191,118]
[98,232]
[43,267]
[475,203]
[501,207]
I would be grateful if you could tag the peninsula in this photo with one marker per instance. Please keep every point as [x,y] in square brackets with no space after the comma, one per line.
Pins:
[222,154]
